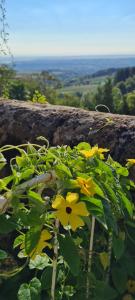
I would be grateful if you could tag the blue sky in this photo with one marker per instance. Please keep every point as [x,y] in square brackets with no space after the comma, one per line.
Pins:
[71,27]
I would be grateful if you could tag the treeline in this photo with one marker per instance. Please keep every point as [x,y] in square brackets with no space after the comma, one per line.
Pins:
[36,87]
[25,86]
[116,92]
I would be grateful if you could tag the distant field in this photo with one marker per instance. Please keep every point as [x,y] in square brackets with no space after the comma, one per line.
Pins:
[91,87]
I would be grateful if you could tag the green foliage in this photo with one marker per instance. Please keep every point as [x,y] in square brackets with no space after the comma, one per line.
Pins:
[6,76]
[3,255]
[44,203]
[30,291]
[70,254]
[130,100]
[39,98]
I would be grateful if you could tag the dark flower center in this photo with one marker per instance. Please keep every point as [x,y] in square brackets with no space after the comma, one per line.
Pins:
[68,210]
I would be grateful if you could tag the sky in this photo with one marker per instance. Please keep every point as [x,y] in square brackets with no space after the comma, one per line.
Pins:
[71,27]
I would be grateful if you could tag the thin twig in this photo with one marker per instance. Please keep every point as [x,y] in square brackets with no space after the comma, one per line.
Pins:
[90,257]
[55,259]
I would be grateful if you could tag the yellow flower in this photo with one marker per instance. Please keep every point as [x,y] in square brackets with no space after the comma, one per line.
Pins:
[130,161]
[87,186]
[69,211]
[131,286]
[45,235]
[94,151]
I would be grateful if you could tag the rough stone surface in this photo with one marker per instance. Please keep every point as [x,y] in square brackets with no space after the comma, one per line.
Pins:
[22,121]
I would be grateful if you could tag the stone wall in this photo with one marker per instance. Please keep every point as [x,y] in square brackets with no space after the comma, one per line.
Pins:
[22,121]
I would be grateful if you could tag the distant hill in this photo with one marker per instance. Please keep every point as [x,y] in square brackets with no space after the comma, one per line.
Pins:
[70,67]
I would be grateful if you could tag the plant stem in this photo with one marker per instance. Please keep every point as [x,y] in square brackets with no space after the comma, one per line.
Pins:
[54,273]
[110,241]
[43,178]
[90,257]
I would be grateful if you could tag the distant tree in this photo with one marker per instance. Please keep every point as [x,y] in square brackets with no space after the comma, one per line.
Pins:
[88,101]
[130,84]
[122,86]
[130,100]
[118,102]
[121,75]
[18,90]
[6,76]
[46,80]
[99,95]
[104,95]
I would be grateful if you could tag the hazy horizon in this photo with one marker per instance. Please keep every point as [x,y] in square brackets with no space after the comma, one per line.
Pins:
[19,56]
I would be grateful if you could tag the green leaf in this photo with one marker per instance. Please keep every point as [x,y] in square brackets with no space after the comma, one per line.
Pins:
[30,291]
[32,238]
[119,277]
[35,289]
[96,203]
[83,146]
[70,254]
[24,292]
[46,278]
[110,217]
[7,224]
[22,161]
[110,192]
[19,240]
[95,208]
[118,168]
[127,203]
[104,292]
[118,247]
[2,161]
[61,168]
[26,174]
[104,259]
[3,254]
[69,290]
[129,265]
[5,181]
[40,262]
[36,198]
[99,191]
[32,217]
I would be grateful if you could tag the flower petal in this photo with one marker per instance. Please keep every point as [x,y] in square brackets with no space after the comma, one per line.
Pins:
[87,186]
[75,222]
[58,202]
[101,150]
[62,216]
[87,153]
[72,198]
[80,209]
[131,160]
[45,235]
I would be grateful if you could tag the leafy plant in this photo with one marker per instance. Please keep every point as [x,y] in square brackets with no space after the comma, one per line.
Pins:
[38,97]
[69,217]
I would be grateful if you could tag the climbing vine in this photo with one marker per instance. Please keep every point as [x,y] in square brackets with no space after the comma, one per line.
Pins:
[67,225]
